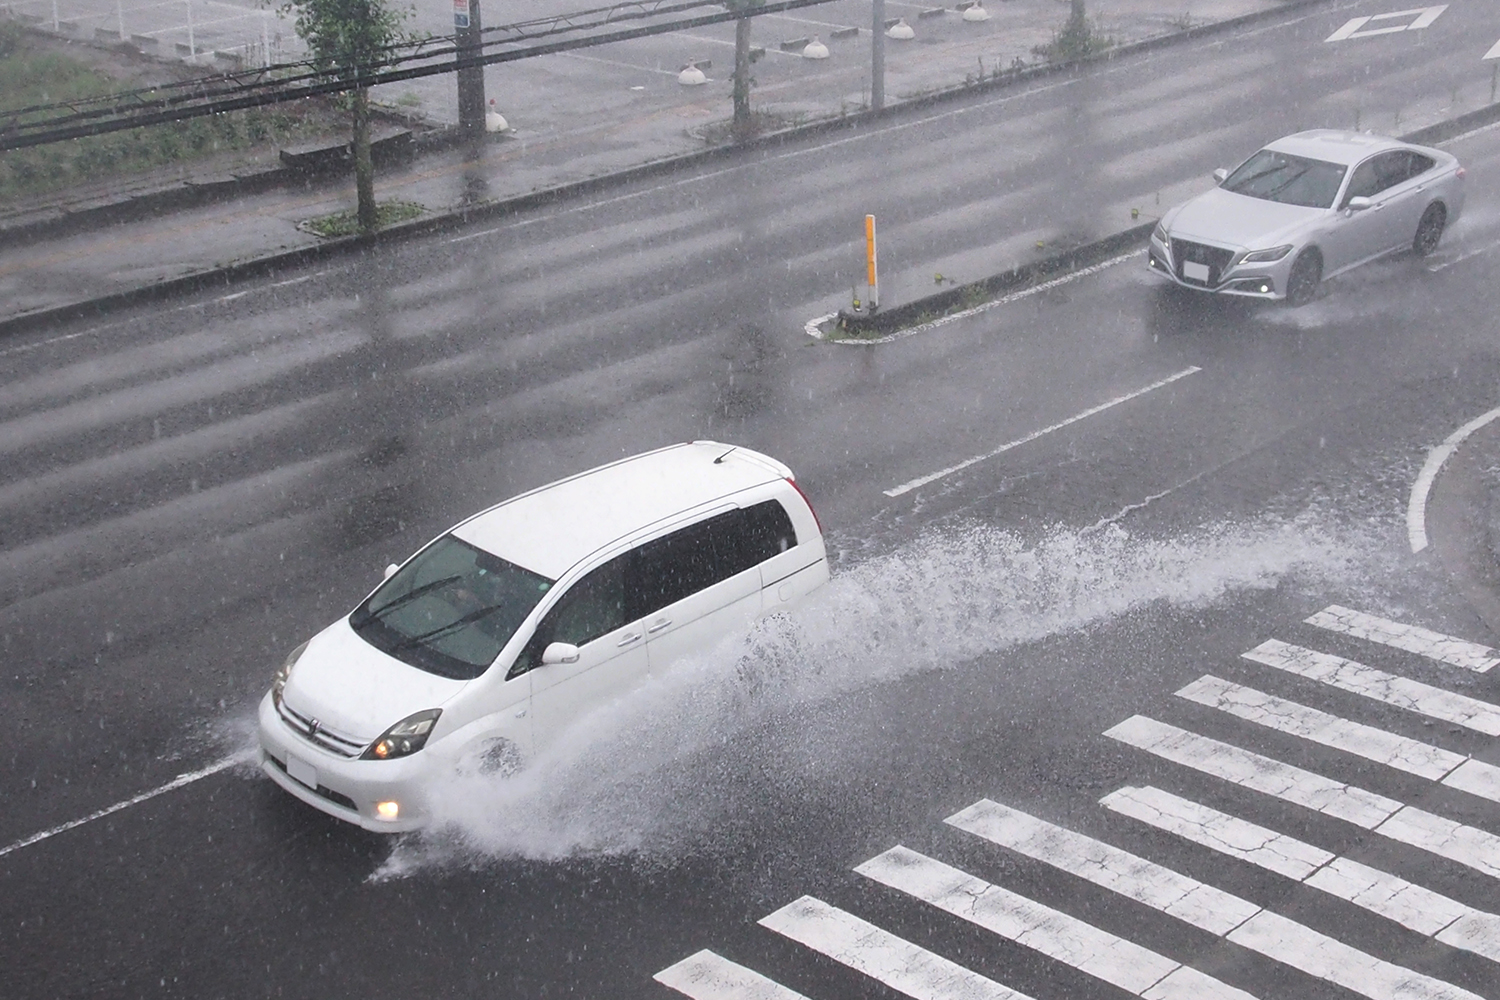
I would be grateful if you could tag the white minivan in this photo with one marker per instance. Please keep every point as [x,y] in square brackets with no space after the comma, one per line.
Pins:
[497,634]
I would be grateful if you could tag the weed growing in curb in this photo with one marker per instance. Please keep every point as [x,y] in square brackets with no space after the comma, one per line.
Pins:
[339,224]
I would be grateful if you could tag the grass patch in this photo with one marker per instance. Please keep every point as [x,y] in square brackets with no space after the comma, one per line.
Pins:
[31,75]
[387,213]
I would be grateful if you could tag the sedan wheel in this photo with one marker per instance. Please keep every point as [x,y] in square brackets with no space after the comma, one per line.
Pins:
[1307,274]
[1429,230]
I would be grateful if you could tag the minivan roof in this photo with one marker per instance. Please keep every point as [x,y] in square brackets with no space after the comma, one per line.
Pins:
[549,529]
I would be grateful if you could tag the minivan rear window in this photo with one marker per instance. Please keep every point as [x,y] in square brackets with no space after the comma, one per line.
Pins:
[450,610]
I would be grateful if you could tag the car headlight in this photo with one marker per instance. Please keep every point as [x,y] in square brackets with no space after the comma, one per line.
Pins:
[1266,256]
[1159,234]
[284,672]
[405,737]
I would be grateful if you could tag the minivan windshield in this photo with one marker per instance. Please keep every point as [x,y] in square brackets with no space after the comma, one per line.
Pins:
[1291,180]
[450,610]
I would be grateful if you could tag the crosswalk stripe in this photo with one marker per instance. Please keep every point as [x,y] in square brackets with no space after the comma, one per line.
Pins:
[707,976]
[1160,888]
[1411,638]
[1293,784]
[1224,833]
[1478,849]
[899,964]
[1237,919]
[1355,677]
[1055,934]
[1410,905]
[1399,752]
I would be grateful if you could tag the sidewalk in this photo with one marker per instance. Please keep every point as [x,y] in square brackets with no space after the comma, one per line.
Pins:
[586,129]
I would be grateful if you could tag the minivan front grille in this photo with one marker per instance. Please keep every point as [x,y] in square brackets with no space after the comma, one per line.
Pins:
[1216,259]
[320,735]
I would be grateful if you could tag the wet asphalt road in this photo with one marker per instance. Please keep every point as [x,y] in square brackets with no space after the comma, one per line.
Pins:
[192,489]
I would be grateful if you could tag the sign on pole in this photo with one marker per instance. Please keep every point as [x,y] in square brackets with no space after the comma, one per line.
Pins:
[461,13]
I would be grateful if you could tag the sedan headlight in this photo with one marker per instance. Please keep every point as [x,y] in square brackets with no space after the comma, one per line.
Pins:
[405,737]
[284,672]
[1159,234]
[1267,256]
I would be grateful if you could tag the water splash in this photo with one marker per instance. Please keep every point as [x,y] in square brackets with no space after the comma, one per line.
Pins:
[651,774]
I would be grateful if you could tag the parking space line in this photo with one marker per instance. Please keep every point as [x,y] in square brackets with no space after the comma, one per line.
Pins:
[881,955]
[1357,678]
[1239,920]
[707,976]
[1051,932]
[1091,411]
[1414,638]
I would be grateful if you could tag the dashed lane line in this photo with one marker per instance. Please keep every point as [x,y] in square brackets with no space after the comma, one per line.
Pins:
[1357,678]
[1412,906]
[881,955]
[707,976]
[1467,845]
[1400,752]
[1051,932]
[1091,411]
[1211,909]
[1413,638]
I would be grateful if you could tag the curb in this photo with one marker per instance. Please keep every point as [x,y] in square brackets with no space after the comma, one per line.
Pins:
[260,266]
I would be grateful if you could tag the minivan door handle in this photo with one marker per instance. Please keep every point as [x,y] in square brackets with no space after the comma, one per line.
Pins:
[659,626]
[632,637]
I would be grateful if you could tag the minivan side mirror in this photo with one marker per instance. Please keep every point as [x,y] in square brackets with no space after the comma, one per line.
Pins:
[1358,203]
[1221,175]
[390,570]
[560,652]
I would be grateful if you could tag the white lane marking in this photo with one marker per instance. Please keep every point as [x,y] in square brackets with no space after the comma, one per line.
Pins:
[1422,17]
[1475,251]
[1416,506]
[1055,934]
[1422,910]
[882,956]
[934,476]
[811,327]
[1357,678]
[1119,871]
[1493,53]
[1221,832]
[1319,955]
[1240,920]
[177,782]
[707,976]
[1475,848]
[1400,752]
[1251,770]
[1410,638]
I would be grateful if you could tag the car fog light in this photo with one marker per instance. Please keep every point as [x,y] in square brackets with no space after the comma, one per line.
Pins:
[388,810]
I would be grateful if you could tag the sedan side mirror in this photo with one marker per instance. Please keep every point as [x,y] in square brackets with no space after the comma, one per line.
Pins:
[390,570]
[1221,175]
[1358,203]
[560,652]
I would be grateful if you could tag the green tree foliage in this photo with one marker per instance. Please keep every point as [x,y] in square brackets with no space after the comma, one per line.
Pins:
[353,38]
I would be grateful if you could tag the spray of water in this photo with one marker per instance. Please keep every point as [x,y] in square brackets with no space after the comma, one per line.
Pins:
[652,773]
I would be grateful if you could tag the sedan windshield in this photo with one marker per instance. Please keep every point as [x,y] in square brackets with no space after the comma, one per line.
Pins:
[1291,180]
[450,610]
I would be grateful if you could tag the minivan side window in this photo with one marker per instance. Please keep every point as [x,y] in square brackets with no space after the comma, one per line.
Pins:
[592,607]
[748,537]
[670,568]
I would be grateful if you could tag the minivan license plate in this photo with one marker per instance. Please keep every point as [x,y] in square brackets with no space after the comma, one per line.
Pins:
[1195,271]
[302,771]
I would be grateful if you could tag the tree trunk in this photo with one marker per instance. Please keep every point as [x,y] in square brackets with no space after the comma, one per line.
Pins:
[741,125]
[364,169]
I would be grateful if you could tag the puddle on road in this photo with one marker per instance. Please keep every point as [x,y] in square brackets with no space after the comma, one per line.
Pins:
[653,775]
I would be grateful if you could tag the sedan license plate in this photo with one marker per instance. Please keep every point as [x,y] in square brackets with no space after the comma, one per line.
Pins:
[1195,271]
[301,770]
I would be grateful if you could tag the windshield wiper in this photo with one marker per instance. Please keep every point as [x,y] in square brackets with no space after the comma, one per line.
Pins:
[1240,185]
[1285,184]
[442,630]
[406,598]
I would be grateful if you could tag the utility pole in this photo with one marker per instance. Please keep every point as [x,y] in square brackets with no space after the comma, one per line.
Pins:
[877,55]
[471,78]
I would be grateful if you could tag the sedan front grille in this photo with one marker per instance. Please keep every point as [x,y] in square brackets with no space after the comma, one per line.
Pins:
[1216,259]
[320,735]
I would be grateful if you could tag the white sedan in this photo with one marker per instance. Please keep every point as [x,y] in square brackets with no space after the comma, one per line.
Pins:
[1306,208]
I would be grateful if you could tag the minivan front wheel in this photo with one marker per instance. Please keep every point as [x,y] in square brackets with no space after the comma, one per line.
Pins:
[1429,230]
[1306,275]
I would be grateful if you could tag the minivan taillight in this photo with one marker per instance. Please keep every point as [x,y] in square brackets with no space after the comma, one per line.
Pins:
[816,519]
